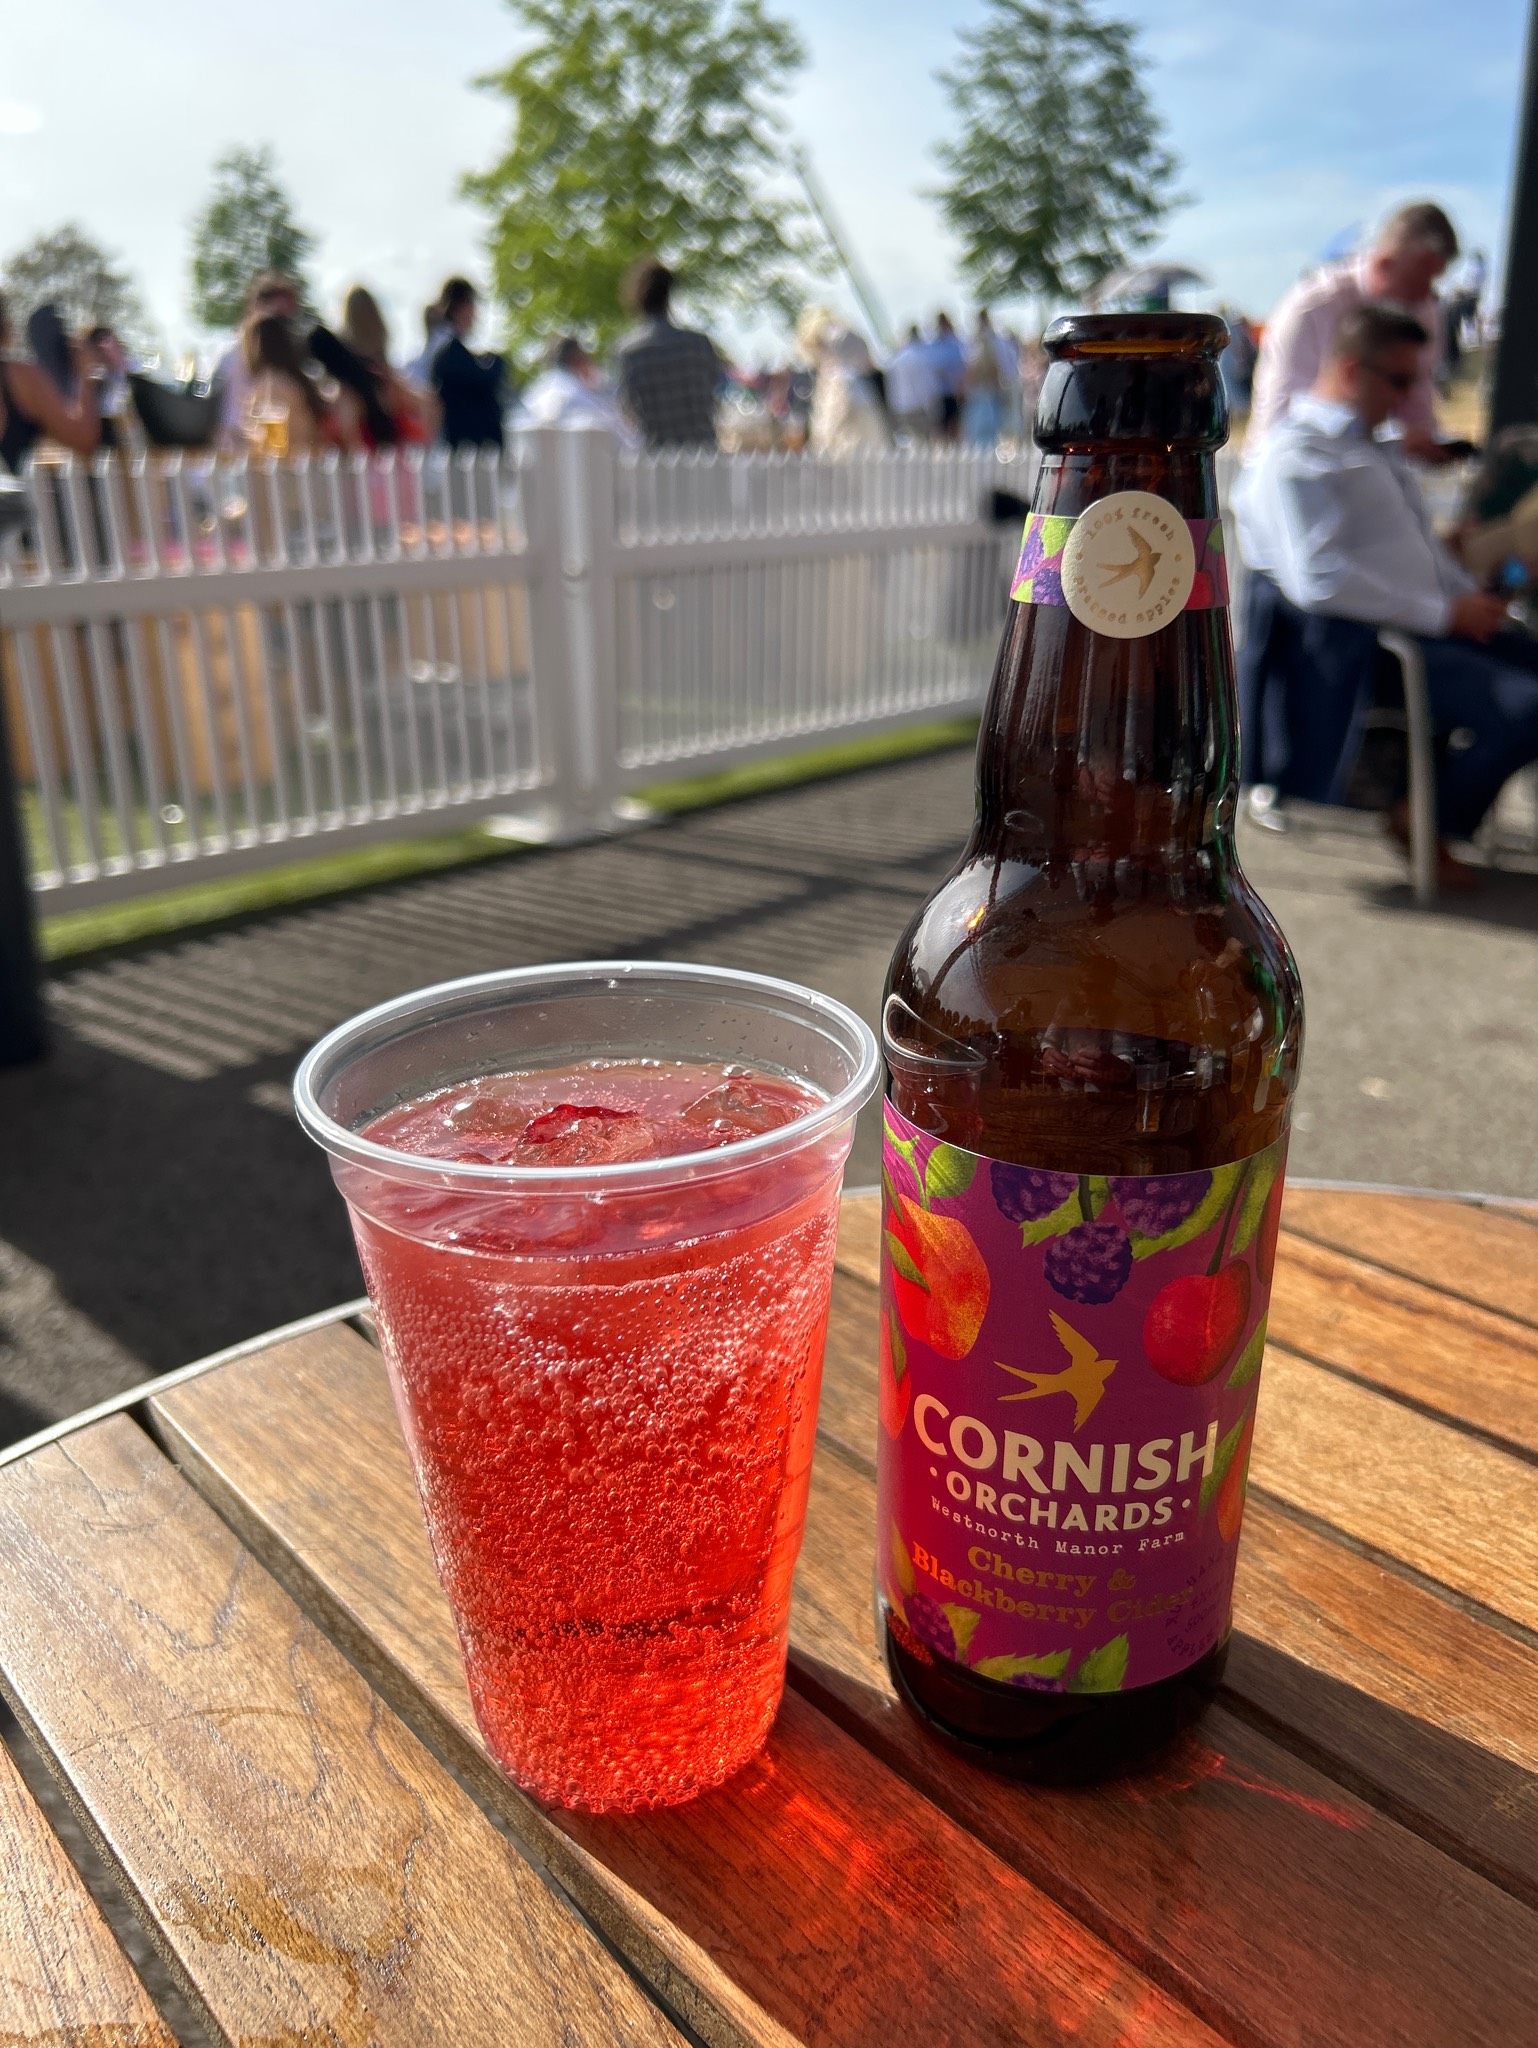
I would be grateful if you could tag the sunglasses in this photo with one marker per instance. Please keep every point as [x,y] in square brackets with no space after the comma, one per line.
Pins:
[1396,380]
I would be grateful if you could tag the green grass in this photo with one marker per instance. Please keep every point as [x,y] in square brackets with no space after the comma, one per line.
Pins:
[172,910]
[785,771]
[70,933]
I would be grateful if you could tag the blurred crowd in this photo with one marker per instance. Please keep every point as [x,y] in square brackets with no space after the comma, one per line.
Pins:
[291,384]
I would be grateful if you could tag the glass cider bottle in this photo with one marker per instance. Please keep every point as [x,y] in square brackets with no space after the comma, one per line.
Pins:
[1092,1032]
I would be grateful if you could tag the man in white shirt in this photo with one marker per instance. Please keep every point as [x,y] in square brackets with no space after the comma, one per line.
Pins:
[1332,520]
[1412,249]
[567,393]
[913,389]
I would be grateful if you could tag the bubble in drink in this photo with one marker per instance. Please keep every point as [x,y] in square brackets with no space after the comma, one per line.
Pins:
[611,1416]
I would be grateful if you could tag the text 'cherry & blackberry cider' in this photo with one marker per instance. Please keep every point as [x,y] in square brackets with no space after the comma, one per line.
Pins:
[1092,1032]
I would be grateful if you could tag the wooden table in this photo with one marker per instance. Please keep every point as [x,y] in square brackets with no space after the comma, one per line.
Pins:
[220,1626]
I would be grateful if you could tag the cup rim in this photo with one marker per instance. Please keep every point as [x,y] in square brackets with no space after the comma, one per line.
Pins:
[351,1147]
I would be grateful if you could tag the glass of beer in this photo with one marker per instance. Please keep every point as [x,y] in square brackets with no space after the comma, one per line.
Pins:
[267,430]
[596,1208]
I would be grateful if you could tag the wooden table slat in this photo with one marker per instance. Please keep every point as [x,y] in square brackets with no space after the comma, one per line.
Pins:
[1457,1510]
[311,1872]
[1465,1362]
[63,1978]
[1428,1711]
[1486,1254]
[817,1898]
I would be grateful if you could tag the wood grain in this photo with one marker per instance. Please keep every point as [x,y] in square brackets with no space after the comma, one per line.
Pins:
[63,1979]
[1463,1361]
[1487,1255]
[312,1874]
[1254,1885]
[1458,1510]
[816,1898]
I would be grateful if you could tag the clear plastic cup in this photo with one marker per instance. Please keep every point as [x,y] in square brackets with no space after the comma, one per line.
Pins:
[607,1375]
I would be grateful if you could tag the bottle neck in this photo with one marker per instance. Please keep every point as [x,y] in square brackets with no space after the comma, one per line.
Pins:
[1097,750]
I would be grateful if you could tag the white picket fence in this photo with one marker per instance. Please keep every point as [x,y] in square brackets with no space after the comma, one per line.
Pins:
[214,663]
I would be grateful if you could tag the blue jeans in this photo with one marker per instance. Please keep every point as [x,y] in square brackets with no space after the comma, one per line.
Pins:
[1488,696]
[1306,682]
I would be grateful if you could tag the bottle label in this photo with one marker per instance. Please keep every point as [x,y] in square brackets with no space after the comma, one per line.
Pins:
[1125,566]
[1069,1368]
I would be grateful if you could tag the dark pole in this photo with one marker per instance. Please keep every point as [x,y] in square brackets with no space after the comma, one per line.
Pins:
[1514,402]
[21,996]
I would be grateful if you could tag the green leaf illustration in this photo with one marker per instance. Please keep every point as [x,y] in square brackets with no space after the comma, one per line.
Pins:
[899,1349]
[888,1188]
[1102,1670]
[1005,1668]
[948,1173]
[1097,1192]
[902,1261]
[963,1621]
[1221,1463]
[902,1563]
[1249,1358]
[1251,1210]
[1207,1212]
[896,1139]
[1064,1217]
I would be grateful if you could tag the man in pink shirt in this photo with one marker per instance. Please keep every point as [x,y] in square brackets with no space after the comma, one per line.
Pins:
[1412,249]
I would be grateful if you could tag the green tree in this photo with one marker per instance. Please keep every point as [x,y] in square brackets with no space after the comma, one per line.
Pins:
[1059,173]
[67,268]
[641,127]
[247,226]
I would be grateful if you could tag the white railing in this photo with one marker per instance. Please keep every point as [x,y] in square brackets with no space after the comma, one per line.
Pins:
[214,662]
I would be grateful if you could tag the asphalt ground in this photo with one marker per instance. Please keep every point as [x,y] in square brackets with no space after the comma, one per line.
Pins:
[158,1202]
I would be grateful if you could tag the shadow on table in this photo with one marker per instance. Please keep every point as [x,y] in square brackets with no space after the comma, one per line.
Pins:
[150,1221]
[1477,1806]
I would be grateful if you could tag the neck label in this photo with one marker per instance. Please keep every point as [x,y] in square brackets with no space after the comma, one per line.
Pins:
[1125,567]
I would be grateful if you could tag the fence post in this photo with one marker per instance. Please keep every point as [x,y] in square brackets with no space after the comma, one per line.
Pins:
[572,622]
[22,1036]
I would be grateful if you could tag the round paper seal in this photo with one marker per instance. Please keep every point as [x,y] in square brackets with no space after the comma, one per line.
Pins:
[1129,565]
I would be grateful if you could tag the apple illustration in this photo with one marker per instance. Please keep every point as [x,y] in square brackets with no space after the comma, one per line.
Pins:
[1194,1323]
[939,1278]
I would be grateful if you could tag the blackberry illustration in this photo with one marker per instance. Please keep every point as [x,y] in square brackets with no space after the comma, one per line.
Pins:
[1153,1207]
[1025,1195]
[930,1623]
[1091,1263]
[1047,583]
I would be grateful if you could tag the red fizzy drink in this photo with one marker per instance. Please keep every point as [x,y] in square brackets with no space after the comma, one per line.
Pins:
[610,1409]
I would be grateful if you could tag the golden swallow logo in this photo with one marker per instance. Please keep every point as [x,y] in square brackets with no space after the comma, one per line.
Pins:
[1084,1376]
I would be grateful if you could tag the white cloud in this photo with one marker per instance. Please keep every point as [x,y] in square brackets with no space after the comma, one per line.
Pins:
[17,118]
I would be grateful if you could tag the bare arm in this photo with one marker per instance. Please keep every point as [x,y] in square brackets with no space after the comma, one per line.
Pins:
[76,426]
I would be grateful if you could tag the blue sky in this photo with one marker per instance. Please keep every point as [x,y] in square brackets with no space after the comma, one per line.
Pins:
[1288,128]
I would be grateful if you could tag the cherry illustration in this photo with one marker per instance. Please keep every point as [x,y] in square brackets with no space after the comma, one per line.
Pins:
[1194,1323]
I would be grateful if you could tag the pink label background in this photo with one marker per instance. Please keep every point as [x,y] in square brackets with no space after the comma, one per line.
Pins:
[1158,1596]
